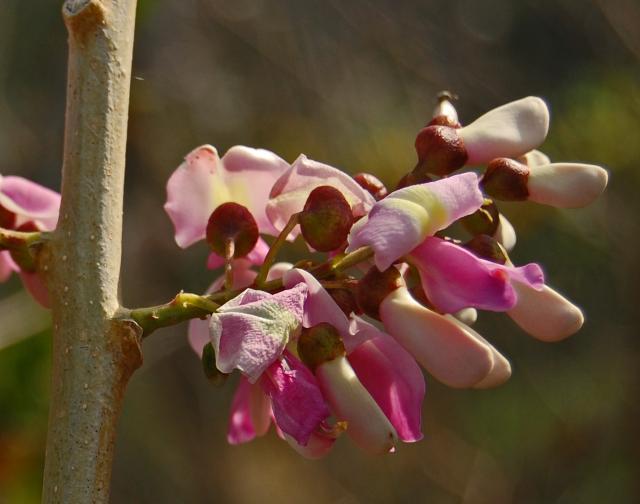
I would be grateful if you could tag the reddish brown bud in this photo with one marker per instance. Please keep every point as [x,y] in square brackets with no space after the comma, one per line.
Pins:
[440,150]
[372,185]
[506,179]
[374,287]
[7,218]
[232,222]
[488,248]
[319,344]
[326,219]
[412,179]
[485,220]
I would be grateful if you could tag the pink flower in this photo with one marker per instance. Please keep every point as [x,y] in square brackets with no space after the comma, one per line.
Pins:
[25,205]
[251,331]
[402,220]
[204,181]
[292,189]
[384,369]
[453,278]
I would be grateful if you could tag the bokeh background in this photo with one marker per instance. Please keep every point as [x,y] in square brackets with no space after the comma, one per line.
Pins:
[350,83]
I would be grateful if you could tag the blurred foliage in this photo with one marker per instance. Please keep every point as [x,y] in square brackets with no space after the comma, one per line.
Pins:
[350,83]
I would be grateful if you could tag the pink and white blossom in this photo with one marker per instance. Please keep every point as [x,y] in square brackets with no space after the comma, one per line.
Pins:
[401,221]
[204,181]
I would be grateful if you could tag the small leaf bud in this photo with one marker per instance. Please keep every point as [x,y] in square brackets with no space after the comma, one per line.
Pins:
[372,185]
[489,248]
[440,151]
[213,374]
[319,344]
[374,287]
[232,222]
[485,220]
[326,219]
[506,179]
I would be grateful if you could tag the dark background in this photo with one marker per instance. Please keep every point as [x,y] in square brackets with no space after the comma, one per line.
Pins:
[350,83]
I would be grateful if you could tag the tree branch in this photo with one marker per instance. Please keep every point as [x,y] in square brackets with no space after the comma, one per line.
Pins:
[93,354]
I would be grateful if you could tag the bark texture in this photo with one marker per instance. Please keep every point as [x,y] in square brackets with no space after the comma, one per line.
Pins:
[94,354]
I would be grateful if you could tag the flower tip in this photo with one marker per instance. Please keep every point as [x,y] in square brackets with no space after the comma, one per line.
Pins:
[567,185]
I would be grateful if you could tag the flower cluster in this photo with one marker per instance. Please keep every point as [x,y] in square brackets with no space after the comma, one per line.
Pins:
[325,348]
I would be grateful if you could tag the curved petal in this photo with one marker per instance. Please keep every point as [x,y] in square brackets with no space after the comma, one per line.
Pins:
[249,175]
[453,278]
[291,191]
[545,314]
[296,399]
[30,202]
[446,349]
[401,221]
[250,413]
[566,185]
[251,331]
[507,131]
[319,306]
[395,381]
[194,191]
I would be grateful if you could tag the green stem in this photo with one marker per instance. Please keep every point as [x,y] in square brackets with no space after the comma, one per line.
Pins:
[275,248]
[183,307]
[188,306]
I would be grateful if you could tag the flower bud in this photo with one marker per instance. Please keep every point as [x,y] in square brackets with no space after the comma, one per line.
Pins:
[374,287]
[488,248]
[485,220]
[319,344]
[505,234]
[445,113]
[506,179]
[345,299]
[412,179]
[232,222]
[566,185]
[545,314]
[213,374]
[440,151]
[371,184]
[367,424]
[326,219]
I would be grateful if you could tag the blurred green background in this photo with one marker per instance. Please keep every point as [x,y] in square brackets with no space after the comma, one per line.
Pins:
[350,83]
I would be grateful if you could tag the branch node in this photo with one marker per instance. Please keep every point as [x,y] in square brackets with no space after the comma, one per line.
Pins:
[83,17]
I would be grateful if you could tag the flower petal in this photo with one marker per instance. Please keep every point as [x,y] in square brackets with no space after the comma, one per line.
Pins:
[250,413]
[194,191]
[292,189]
[446,349]
[545,314]
[256,256]
[453,278]
[297,402]
[507,131]
[30,202]
[319,306]
[394,380]
[36,287]
[566,185]
[198,332]
[401,221]
[249,175]
[250,332]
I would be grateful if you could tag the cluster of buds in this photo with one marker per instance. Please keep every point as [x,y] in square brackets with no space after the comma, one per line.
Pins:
[337,346]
